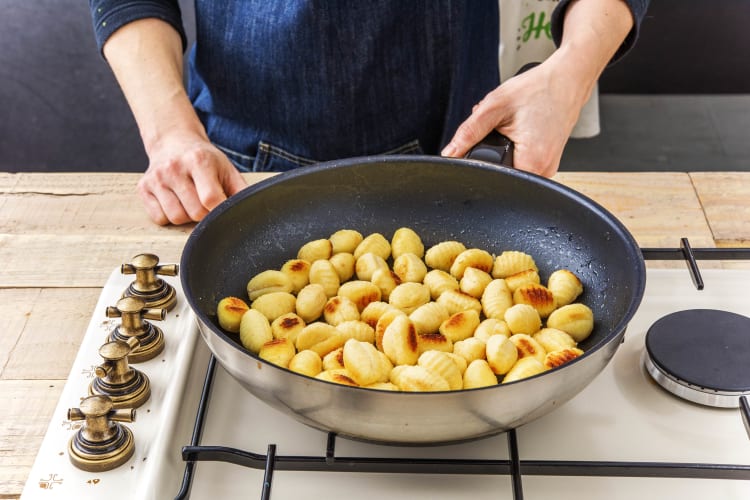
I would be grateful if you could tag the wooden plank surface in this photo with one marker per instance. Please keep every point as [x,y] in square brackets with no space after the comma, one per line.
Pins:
[54,325]
[24,415]
[16,307]
[725,197]
[658,208]
[77,260]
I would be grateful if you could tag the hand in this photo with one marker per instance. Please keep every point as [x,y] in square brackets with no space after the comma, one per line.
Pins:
[537,110]
[187,177]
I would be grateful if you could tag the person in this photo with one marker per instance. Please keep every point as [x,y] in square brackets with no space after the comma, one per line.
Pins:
[279,85]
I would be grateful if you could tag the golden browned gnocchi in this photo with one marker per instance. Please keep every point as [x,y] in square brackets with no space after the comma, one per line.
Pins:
[278,351]
[409,267]
[373,243]
[428,317]
[268,282]
[274,304]
[255,330]
[473,257]
[323,273]
[366,264]
[298,271]
[474,282]
[287,326]
[229,312]
[439,281]
[345,241]
[311,301]
[409,296]
[442,255]
[512,262]
[311,251]
[366,364]
[406,240]
[344,264]
[479,374]
[386,314]
[307,363]
[565,286]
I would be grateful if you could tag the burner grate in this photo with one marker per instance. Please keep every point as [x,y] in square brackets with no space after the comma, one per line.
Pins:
[513,467]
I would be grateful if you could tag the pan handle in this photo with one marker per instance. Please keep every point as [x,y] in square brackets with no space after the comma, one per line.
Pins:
[497,148]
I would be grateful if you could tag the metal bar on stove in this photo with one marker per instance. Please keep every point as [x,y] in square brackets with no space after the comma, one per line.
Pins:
[515,465]
[745,409]
[695,272]
[268,474]
[636,469]
[346,464]
[690,255]
[698,253]
[331,448]
[187,478]
[470,466]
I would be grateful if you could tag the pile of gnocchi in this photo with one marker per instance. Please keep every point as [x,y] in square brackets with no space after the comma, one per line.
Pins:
[387,314]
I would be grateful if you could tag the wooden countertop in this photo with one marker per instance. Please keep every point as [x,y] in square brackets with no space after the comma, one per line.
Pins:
[61,235]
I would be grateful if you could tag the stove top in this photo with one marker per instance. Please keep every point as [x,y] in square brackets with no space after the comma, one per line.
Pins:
[605,437]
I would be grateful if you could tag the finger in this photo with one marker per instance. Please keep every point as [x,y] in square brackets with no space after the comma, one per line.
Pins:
[208,188]
[175,208]
[234,183]
[183,203]
[216,184]
[153,209]
[162,205]
[475,128]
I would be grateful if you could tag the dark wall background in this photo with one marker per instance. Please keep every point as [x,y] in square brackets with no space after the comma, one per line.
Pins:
[687,47]
[61,108]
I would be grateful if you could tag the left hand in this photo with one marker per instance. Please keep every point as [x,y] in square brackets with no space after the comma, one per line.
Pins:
[537,110]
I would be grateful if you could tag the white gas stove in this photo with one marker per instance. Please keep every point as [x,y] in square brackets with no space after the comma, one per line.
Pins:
[617,439]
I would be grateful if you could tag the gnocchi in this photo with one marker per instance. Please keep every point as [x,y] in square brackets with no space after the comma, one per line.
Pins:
[395,315]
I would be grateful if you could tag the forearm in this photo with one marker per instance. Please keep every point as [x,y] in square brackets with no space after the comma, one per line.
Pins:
[593,31]
[146,58]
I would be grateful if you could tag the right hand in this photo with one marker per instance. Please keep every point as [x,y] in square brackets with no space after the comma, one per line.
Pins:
[187,176]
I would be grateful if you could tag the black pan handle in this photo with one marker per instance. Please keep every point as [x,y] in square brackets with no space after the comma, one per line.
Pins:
[497,148]
[745,409]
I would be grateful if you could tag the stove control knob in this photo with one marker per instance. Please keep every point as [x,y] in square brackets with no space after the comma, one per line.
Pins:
[101,443]
[124,385]
[147,286]
[134,313]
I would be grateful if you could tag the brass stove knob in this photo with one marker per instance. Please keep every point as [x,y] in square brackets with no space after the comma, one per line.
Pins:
[125,386]
[101,443]
[147,286]
[134,313]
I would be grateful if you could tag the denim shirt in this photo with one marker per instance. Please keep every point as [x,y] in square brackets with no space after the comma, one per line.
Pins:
[280,85]
[285,84]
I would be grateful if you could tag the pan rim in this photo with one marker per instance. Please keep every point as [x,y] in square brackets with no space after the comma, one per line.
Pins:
[623,233]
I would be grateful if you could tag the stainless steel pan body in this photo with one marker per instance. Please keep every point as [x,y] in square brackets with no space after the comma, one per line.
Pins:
[481,205]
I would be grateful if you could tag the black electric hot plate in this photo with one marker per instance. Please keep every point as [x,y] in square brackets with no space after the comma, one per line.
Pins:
[702,355]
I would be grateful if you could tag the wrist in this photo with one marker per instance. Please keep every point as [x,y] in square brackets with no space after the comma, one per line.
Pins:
[593,31]
[174,118]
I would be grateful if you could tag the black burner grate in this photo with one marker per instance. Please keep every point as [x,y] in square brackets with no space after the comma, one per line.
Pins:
[513,467]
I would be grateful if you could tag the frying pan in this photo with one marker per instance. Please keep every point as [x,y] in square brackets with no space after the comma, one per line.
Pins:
[480,204]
